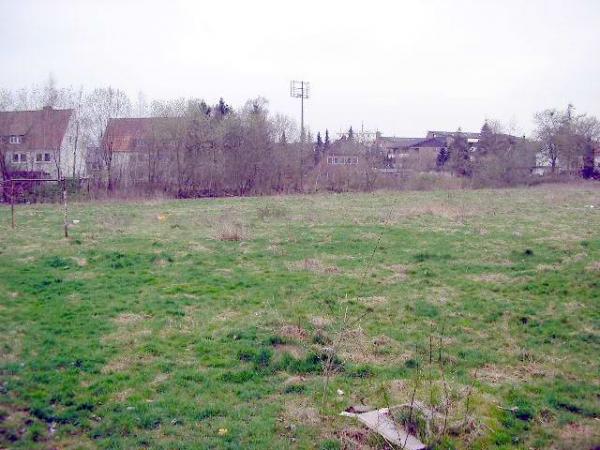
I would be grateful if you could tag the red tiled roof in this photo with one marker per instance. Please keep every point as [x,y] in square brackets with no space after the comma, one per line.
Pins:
[124,134]
[42,130]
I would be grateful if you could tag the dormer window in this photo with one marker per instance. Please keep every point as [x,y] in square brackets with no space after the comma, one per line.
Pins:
[15,139]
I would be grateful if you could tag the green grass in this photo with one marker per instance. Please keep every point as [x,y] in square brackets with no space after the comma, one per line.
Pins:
[145,329]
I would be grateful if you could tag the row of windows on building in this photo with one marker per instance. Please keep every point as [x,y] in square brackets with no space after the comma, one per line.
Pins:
[23,157]
[342,160]
[12,139]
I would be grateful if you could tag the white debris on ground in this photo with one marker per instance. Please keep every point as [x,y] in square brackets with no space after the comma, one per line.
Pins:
[382,423]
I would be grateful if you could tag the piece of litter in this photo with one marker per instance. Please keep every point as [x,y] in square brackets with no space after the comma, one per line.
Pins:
[381,422]
[340,392]
[75,221]
[223,431]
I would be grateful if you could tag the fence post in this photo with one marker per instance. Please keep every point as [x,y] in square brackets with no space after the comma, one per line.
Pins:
[12,203]
[64,183]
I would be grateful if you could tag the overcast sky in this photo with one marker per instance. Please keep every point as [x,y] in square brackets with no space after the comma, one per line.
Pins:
[402,67]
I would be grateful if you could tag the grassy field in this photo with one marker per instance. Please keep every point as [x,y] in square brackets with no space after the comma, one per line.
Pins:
[206,324]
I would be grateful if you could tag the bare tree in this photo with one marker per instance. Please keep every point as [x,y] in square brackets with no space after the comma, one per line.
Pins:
[101,105]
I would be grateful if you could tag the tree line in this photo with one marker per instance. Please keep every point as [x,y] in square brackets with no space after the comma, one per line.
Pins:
[214,150]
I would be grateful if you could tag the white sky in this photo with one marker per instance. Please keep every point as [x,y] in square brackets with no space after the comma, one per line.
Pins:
[402,67]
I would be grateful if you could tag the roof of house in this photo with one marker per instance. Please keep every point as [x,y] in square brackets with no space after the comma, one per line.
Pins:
[435,142]
[42,129]
[397,142]
[466,134]
[124,134]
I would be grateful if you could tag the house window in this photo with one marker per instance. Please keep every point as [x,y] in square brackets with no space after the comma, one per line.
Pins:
[15,139]
[46,156]
[15,157]
[23,157]
[19,157]
[39,157]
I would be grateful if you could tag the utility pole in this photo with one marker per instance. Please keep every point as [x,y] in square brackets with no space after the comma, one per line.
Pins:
[300,89]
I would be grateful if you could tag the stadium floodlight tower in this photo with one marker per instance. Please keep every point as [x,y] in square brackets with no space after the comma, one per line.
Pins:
[301,90]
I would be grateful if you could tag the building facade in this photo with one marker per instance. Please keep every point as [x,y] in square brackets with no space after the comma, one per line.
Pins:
[40,143]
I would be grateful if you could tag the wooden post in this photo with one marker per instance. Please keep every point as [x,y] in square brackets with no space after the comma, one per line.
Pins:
[12,202]
[65,207]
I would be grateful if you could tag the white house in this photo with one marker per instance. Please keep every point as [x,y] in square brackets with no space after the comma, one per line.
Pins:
[40,143]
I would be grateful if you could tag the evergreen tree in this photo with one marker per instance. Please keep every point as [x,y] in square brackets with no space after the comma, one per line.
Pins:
[283,139]
[223,108]
[442,157]
[350,134]
[326,144]
[460,155]
[486,139]
[204,108]
[318,148]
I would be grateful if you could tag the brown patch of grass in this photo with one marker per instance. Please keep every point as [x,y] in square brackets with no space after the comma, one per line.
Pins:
[400,274]
[121,396]
[160,378]
[320,322]
[293,332]
[490,278]
[299,412]
[11,346]
[313,265]
[593,267]
[81,262]
[125,319]
[231,232]
[496,375]
[295,350]
[357,347]
[375,300]
[437,209]
[126,362]
[296,379]
[583,435]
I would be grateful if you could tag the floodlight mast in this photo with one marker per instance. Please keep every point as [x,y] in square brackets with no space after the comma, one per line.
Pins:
[300,89]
